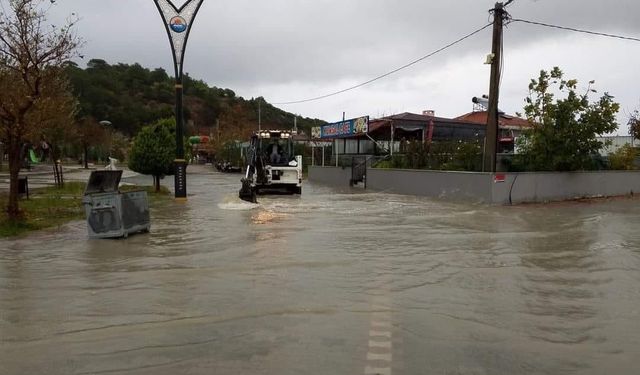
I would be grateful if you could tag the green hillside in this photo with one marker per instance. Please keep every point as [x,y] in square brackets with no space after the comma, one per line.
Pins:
[131,96]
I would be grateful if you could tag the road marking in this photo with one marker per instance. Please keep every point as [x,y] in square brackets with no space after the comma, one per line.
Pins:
[373,333]
[380,344]
[381,315]
[380,350]
[379,357]
[377,370]
[380,324]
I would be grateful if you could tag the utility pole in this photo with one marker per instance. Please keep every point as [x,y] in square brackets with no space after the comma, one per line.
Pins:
[491,134]
[259,114]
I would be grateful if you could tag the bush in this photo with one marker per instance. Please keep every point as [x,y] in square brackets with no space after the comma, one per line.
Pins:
[623,158]
[153,151]
[440,155]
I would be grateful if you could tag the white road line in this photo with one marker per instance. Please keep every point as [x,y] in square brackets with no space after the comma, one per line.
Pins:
[377,370]
[373,333]
[379,357]
[381,317]
[380,344]
[380,324]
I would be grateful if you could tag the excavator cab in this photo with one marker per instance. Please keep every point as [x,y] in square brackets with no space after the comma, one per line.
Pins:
[271,166]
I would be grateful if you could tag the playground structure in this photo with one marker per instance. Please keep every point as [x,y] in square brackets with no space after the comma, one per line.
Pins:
[35,155]
[202,150]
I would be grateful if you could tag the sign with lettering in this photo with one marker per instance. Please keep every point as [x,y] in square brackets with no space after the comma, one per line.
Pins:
[342,129]
[181,179]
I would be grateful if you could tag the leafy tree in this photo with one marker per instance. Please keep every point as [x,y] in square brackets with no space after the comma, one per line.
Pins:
[32,53]
[564,134]
[634,124]
[153,150]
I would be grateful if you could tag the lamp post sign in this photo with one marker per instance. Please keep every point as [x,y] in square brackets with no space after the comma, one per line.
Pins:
[178,22]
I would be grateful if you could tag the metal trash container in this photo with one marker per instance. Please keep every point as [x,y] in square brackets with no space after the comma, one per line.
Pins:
[111,213]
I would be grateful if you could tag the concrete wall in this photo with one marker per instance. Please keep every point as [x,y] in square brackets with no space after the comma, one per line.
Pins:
[544,187]
[465,186]
[333,176]
[474,187]
[483,187]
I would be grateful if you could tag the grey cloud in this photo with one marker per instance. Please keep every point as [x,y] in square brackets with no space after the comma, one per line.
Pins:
[242,41]
[257,47]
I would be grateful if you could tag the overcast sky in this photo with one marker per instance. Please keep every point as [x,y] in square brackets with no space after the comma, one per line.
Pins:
[288,50]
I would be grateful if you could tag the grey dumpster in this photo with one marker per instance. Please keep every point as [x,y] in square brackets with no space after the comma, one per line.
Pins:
[111,213]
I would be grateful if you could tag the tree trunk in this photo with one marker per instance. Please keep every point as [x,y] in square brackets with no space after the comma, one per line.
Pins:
[86,154]
[15,162]
[156,183]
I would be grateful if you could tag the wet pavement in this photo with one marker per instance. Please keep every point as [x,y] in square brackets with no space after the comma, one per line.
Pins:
[334,282]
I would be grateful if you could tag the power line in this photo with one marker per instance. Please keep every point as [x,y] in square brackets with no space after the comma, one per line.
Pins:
[391,72]
[576,30]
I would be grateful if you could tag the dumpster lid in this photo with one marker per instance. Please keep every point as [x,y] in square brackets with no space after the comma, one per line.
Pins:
[103,182]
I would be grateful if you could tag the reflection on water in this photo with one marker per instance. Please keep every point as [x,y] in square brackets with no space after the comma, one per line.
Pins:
[295,284]
[557,286]
[266,217]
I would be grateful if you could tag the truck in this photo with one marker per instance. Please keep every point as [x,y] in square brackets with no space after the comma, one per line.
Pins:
[272,167]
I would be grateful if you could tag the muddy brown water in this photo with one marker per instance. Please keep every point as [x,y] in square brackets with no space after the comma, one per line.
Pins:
[334,282]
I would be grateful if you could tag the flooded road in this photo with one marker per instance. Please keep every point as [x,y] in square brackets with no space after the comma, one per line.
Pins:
[334,282]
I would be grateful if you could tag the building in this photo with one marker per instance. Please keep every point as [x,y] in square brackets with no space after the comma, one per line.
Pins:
[614,142]
[362,136]
[509,127]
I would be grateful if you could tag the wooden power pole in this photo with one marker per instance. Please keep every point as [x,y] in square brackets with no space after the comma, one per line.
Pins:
[491,135]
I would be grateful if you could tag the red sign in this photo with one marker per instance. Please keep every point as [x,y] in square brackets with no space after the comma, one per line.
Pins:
[499,178]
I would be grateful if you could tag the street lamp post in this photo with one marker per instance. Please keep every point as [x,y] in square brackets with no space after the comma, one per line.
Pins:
[178,22]
[108,125]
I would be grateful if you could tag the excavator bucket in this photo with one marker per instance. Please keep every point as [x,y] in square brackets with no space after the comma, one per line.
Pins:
[247,192]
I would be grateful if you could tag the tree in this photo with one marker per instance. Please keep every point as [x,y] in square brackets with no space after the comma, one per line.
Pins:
[623,158]
[634,124]
[32,54]
[563,137]
[90,133]
[153,150]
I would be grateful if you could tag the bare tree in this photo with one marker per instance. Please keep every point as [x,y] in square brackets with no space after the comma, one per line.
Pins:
[32,55]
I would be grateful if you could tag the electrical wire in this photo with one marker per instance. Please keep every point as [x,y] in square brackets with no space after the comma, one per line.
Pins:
[576,30]
[388,73]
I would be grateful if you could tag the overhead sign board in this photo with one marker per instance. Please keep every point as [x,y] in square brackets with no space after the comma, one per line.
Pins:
[342,129]
[178,23]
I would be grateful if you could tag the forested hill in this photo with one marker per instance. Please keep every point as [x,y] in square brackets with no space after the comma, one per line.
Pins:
[131,96]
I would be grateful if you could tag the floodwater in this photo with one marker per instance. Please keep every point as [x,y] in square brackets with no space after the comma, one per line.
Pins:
[334,282]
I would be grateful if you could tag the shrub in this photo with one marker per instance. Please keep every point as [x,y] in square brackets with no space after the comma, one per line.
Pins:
[623,158]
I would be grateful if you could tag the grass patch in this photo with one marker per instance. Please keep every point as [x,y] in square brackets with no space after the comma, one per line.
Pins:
[47,207]
[51,207]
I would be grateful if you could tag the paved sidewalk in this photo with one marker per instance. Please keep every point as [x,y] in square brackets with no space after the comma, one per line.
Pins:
[41,175]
